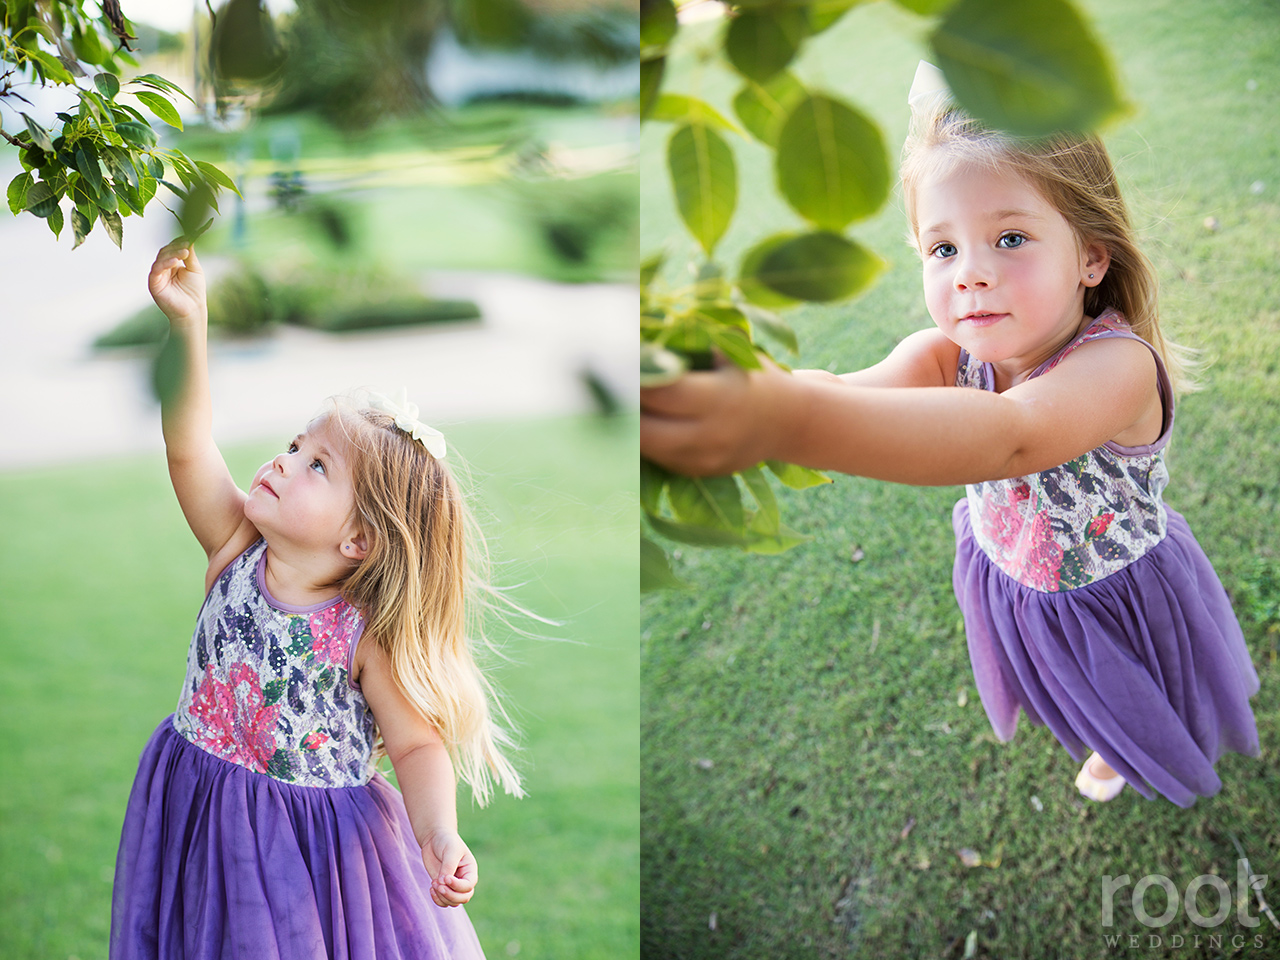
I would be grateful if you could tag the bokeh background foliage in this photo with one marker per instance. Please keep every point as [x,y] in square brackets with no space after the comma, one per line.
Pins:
[97,603]
[1030,69]
[817,770]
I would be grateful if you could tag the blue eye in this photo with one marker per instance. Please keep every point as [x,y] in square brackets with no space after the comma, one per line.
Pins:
[291,448]
[943,250]
[1011,241]
[317,466]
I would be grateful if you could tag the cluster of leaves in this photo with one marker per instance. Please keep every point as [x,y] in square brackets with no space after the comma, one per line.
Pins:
[103,157]
[1027,68]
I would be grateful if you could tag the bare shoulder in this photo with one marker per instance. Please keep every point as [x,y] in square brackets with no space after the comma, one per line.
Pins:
[925,358]
[244,537]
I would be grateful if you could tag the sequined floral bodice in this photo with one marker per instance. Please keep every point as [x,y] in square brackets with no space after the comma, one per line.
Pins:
[268,684]
[1074,524]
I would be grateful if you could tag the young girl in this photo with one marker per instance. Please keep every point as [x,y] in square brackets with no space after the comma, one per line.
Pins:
[257,827]
[1047,388]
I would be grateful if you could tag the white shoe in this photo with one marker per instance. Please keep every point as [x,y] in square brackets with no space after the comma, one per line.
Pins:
[1100,789]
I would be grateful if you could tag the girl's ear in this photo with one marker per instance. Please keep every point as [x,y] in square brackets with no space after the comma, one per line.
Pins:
[354,547]
[1096,261]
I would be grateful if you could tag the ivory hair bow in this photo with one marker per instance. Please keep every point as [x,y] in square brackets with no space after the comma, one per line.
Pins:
[929,85]
[405,415]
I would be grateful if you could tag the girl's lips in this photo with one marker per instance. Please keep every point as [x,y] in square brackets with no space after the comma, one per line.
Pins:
[266,486]
[983,319]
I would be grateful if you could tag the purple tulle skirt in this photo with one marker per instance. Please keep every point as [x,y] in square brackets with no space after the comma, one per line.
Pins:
[1147,666]
[217,861]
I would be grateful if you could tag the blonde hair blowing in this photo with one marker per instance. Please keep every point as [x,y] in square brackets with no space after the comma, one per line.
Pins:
[418,587]
[1074,174]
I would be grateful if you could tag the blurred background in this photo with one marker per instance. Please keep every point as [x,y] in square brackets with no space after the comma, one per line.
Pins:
[436,196]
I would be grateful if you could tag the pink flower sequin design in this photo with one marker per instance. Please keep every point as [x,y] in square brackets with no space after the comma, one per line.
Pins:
[330,634]
[233,720]
[1027,549]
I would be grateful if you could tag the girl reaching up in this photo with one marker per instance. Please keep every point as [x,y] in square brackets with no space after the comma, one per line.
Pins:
[1047,388]
[334,615]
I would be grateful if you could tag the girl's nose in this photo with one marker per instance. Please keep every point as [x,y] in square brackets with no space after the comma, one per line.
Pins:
[973,273]
[278,462]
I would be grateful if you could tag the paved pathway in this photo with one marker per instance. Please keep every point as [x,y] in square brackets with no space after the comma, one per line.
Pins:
[61,402]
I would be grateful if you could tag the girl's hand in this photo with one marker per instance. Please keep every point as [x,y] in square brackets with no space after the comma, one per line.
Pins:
[177,283]
[715,422]
[452,868]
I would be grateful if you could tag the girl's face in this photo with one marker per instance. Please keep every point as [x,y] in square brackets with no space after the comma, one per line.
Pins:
[1004,275]
[304,495]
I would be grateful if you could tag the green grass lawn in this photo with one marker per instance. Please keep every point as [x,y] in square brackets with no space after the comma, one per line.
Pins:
[97,601]
[814,753]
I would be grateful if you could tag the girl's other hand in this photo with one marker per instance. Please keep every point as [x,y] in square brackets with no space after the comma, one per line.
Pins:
[452,868]
[715,422]
[177,283]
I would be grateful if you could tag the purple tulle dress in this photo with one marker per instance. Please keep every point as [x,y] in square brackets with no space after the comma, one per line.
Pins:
[1089,605]
[257,828]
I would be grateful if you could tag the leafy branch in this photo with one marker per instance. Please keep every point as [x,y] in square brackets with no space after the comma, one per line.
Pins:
[103,157]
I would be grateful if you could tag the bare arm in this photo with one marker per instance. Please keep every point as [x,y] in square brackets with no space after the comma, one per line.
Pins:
[426,778]
[210,499]
[717,422]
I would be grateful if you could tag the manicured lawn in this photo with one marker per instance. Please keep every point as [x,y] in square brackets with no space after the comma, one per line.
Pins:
[97,600]
[814,753]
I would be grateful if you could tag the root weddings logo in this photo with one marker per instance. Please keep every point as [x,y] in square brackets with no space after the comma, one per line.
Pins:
[1189,900]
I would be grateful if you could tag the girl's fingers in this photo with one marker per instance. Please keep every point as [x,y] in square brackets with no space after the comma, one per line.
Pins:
[692,394]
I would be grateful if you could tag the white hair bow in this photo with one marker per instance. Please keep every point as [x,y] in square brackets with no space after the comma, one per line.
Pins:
[929,85]
[405,415]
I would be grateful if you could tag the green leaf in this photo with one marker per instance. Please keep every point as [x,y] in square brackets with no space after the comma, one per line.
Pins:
[751,288]
[88,165]
[658,26]
[214,176]
[764,107]
[696,535]
[17,193]
[108,84]
[767,519]
[161,107]
[705,180]
[653,479]
[110,221]
[650,83]
[137,132]
[88,46]
[926,8]
[760,43]
[1031,69]
[81,224]
[649,268]
[783,540]
[796,477]
[659,366]
[711,502]
[655,570]
[735,345]
[160,83]
[39,135]
[772,325]
[678,108]
[825,13]
[831,163]
[52,67]
[818,267]
[55,220]
[41,200]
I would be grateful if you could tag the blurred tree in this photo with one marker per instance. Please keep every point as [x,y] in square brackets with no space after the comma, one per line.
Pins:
[103,157]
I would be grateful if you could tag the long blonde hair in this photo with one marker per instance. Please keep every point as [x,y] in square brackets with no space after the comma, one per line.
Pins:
[1074,174]
[419,587]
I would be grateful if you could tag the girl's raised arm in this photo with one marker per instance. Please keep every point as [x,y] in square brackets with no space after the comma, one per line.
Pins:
[727,419]
[210,499]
